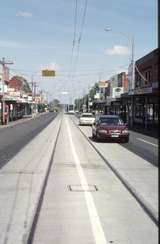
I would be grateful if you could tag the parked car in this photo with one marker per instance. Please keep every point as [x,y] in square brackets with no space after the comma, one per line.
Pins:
[110,127]
[86,119]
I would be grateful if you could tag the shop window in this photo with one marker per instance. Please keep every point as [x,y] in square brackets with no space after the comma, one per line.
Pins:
[150,112]
[148,76]
[139,111]
[155,73]
[156,113]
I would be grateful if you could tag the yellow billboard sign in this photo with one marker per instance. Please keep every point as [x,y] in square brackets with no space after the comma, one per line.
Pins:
[48,73]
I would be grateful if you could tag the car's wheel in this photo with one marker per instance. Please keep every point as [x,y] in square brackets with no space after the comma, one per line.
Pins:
[93,136]
[126,140]
[97,137]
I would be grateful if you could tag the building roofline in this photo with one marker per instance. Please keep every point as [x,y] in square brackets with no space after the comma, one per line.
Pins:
[155,51]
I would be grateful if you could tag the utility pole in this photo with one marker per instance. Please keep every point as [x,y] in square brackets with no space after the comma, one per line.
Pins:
[3,62]
[34,86]
[88,98]
[132,82]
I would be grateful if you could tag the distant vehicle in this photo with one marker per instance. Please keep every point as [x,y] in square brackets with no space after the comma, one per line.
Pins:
[86,119]
[70,112]
[110,127]
[69,109]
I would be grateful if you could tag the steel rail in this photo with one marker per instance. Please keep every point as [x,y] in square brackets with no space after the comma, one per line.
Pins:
[32,230]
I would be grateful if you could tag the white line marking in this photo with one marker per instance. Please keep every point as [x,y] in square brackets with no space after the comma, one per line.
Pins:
[97,229]
[147,142]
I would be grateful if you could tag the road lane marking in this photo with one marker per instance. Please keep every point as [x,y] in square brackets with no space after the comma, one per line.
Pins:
[147,142]
[97,229]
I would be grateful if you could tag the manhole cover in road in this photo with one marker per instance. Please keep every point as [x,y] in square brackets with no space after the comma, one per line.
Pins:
[83,188]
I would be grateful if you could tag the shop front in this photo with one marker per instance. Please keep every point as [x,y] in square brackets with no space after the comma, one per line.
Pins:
[141,110]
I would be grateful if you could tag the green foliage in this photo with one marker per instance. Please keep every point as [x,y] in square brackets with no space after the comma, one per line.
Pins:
[26,88]
[42,108]
[55,105]
[79,102]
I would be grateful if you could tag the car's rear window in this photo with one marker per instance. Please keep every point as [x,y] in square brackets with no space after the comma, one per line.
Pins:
[87,116]
[111,121]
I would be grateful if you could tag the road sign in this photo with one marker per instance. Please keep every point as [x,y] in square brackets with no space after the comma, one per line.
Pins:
[48,73]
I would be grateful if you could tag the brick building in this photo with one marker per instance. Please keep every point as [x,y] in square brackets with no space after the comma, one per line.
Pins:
[142,107]
[19,84]
[146,73]
[123,81]
[146,89]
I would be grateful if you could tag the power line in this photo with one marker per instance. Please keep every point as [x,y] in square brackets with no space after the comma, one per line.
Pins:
[81,34]
[74,57]
[83,22]
[74,34]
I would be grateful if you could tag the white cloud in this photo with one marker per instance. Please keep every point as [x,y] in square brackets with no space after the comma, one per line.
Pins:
[64,92]
[117,50]
[24,14]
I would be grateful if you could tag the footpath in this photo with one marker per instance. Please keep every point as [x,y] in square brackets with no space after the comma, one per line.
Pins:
[22,120]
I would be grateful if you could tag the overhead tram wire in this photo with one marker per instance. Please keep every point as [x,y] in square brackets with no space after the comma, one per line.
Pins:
[79,42]
[74,37]
[81,34]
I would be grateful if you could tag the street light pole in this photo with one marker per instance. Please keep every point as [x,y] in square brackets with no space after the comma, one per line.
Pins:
[132,65]
[132,77]
[3,62]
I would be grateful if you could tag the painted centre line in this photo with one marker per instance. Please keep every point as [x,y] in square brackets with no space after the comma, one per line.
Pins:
[97,229]
[147,142]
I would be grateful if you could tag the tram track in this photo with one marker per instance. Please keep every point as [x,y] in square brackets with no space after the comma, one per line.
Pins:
[147,209]
[32,229]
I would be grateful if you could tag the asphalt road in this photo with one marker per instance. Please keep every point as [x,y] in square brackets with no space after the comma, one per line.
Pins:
[14,138]
[144,146]
[140,144]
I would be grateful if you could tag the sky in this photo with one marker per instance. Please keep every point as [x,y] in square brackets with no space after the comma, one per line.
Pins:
[38,34]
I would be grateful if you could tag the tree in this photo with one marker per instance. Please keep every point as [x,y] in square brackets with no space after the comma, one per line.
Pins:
[55,105]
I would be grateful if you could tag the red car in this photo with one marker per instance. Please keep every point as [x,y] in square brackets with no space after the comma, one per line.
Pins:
[110,127]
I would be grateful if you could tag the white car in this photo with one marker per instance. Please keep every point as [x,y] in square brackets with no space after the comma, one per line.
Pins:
[86,119]
[71,112]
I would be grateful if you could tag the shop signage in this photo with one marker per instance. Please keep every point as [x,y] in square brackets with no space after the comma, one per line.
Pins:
[117,91]
[103,84]
[143,90]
